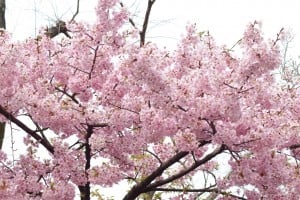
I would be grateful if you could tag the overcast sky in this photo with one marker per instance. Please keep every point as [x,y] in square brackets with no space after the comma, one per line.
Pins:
[225,19]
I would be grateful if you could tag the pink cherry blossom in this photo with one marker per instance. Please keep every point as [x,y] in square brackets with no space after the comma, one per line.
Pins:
[106,109]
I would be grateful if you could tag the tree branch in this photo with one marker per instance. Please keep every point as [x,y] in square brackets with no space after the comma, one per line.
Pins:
[71,96]
[76,13]
[294,146]
[25,128]
[182,173]
[146,21]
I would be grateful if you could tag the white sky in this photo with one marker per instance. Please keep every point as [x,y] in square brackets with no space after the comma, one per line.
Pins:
[225,19]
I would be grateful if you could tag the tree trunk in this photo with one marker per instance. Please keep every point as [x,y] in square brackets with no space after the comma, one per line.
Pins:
[2,25]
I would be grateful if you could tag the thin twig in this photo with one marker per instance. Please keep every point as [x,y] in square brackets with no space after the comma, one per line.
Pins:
[94,61]
[278,36]
[122,108]
[246,142]
[76,13]
[209,190]
[130,19]
[154,155]
[71,96]
[235,44]
[12,143]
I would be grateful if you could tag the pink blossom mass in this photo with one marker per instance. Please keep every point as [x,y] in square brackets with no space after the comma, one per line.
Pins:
[148,115]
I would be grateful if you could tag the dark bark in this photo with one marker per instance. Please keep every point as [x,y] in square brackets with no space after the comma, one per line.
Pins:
[2,14]
[146,21]
[2,131]
[2,25]
[85,190]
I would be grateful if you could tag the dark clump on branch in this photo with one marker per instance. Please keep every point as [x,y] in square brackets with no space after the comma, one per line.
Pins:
[59,27]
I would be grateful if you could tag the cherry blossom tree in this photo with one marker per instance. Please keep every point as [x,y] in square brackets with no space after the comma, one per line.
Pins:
[154,117]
